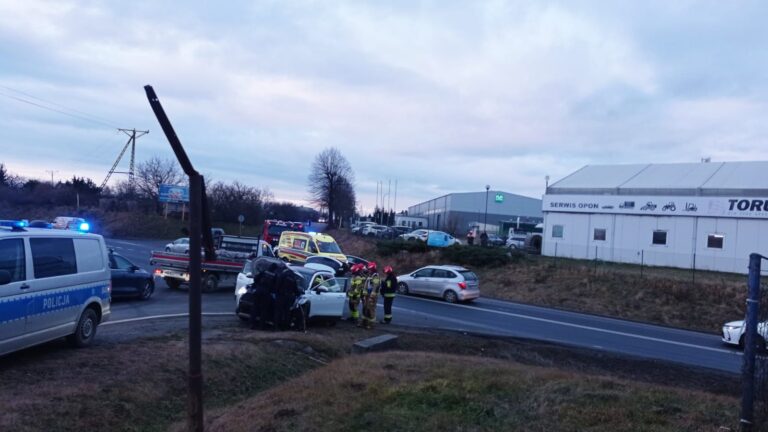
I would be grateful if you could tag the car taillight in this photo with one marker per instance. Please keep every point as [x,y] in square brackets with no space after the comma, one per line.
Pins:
[463,285]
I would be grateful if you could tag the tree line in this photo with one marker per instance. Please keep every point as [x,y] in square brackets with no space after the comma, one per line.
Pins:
[330,185]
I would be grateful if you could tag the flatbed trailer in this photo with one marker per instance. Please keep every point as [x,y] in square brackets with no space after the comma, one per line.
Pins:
[220,272]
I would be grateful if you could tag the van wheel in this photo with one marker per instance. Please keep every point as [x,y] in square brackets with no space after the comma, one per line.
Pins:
[147,290]
[85,331]
[210,283]
[450,296]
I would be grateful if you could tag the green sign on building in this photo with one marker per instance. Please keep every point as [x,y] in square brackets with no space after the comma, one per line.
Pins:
[499,198]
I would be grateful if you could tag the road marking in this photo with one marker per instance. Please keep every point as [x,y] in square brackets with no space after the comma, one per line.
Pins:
[584,327]
[151,317]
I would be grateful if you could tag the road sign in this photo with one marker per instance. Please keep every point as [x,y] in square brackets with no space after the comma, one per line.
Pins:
[499,198]
[241,218]
[173,193]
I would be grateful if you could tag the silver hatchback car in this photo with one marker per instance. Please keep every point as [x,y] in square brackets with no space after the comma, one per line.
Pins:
[451,283]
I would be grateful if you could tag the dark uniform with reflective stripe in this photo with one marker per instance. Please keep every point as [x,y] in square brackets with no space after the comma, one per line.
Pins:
[388,290]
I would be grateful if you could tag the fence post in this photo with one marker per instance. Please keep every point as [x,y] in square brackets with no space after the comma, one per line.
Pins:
[642,262]
[595,260]
[555,253]
[750,336]
[693,271]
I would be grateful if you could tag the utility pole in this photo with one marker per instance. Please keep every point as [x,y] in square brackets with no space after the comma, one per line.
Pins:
[52,172]
[132,135]
[395,195]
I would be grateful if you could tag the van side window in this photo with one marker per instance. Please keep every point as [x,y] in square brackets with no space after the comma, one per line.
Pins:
[312,247]
[53,257]
[90,255]
[12,259]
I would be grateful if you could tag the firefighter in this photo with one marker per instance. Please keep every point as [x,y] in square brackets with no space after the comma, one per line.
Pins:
[355,292]
[388,290]
[372,287]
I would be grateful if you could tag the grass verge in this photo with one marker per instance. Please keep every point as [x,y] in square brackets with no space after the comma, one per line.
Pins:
[408,391]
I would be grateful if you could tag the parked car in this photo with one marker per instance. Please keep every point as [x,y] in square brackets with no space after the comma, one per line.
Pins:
[495,240]
[401,229]
[451,283]
[734,331]
[179,245]
[129,279]
[441,239]
[387,233]
[516,241]
[325,294]
[357,228]
[372,230]
[419,234]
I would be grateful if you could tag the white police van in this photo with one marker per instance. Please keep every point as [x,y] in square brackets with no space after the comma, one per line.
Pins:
[52,284]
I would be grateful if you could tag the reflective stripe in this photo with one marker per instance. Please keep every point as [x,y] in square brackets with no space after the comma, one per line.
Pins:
[355,314]
[387,316]
[389,295]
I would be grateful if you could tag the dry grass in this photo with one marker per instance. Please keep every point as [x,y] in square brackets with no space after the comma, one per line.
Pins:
[405,391]
[279,381]
[662,295]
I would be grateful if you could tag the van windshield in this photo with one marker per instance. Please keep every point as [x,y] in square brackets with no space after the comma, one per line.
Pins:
[328,247]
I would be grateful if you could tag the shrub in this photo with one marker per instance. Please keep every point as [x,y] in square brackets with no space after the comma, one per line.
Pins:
[392,247]
[478,256]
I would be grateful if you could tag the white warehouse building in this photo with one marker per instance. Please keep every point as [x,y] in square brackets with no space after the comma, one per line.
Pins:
[707,216]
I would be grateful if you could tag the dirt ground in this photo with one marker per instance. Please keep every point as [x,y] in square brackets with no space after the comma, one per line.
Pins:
[660,295]
[128,383]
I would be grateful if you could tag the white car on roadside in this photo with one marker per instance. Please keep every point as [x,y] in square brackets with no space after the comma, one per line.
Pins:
[734,332]
[516,241]
[180,245]
[419,234]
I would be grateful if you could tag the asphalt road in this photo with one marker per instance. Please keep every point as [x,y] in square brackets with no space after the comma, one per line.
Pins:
[484,316]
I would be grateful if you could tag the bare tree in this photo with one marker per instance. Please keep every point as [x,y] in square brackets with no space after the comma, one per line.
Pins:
[330,174]
[228,201]
[153,172]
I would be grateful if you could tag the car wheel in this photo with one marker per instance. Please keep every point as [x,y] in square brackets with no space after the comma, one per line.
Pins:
[147,290]
[85,331]
[450,296]
[210,283]
[167,249]
[402,288]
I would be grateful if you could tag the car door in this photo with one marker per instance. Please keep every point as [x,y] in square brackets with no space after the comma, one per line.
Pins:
[327,298]
[420,281]
[13,303]
[124,278]
[438,282]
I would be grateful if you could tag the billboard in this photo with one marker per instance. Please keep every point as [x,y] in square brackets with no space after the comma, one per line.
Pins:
[735,206]
[173,193]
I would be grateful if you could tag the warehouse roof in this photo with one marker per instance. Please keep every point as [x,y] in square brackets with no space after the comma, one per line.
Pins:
[721,178]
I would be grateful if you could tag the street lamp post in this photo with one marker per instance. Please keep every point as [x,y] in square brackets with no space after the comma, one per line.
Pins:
[485,219]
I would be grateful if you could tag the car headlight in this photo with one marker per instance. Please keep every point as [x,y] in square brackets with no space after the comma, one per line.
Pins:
[241,290]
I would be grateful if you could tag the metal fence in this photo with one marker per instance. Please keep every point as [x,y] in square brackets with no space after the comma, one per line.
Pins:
[754,407]
[689,267]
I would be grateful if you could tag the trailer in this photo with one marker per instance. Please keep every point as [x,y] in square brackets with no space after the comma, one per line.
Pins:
[221,271]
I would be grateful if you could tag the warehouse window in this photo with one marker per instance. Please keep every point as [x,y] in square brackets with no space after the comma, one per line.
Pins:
[659,237]
[599,234]
[715,241]
[557,231]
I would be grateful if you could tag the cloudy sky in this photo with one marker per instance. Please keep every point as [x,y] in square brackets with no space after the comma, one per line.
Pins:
[441,95]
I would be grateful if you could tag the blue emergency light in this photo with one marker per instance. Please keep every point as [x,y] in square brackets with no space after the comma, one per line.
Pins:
[85,226]
[14,224]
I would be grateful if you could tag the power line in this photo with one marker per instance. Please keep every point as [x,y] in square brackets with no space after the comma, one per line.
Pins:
[95,117]
[59,111]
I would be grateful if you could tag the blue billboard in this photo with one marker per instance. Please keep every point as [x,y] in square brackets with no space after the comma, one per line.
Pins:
[173,193]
